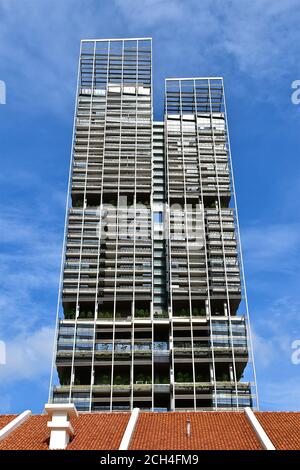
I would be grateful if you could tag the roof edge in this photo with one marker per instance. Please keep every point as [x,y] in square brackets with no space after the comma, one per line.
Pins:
[14,424]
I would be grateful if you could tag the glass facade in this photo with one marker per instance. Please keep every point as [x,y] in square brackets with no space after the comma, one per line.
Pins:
[152,281]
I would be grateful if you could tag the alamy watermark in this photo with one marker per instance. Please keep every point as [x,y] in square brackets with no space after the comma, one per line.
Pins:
[136,222]
[2,353]
[2,92]
[296,353]
[295,97]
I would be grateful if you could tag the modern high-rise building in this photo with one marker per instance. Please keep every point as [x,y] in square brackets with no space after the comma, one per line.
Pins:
[152,309]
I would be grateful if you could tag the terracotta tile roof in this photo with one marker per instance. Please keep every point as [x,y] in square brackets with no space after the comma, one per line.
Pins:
[97,431]
[216,430]
[160,431]
[33,434]
[282,427]
[5,419]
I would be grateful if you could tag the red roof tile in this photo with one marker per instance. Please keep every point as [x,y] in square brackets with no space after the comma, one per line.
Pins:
[282,428]
[5,419]
[32,434]
[97,431]
[160,431]
[212,430]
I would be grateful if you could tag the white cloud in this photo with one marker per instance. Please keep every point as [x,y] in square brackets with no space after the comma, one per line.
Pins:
[28,357]
[5,403]
[259,35]
[281,394]
[39,51]
[153,12]
[273,247]
[276,327]
[264,350]
[29,271]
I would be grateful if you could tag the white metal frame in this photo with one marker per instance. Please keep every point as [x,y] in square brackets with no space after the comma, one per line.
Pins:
[169,247]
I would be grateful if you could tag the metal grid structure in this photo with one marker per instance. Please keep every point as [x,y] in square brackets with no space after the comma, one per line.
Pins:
[211,349]
[147,318]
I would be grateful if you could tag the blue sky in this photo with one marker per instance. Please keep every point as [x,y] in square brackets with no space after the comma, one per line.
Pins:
[255,46]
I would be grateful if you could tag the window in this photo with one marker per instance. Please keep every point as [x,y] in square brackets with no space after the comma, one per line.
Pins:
[158,217]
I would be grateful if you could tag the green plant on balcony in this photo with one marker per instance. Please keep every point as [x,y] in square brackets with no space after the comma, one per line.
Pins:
[86,314]
[162,380]
[200,378]
[141,313]
[144,379]
[183,313]
[224,377]
[105,314]
[199,312]
[70,313]
[179,377]
[118,380]
[77,381]
[64,379]
[183,377]
[162,314]
[104,379]
[140,378]
[78,203]
[121,315]
[121,380]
